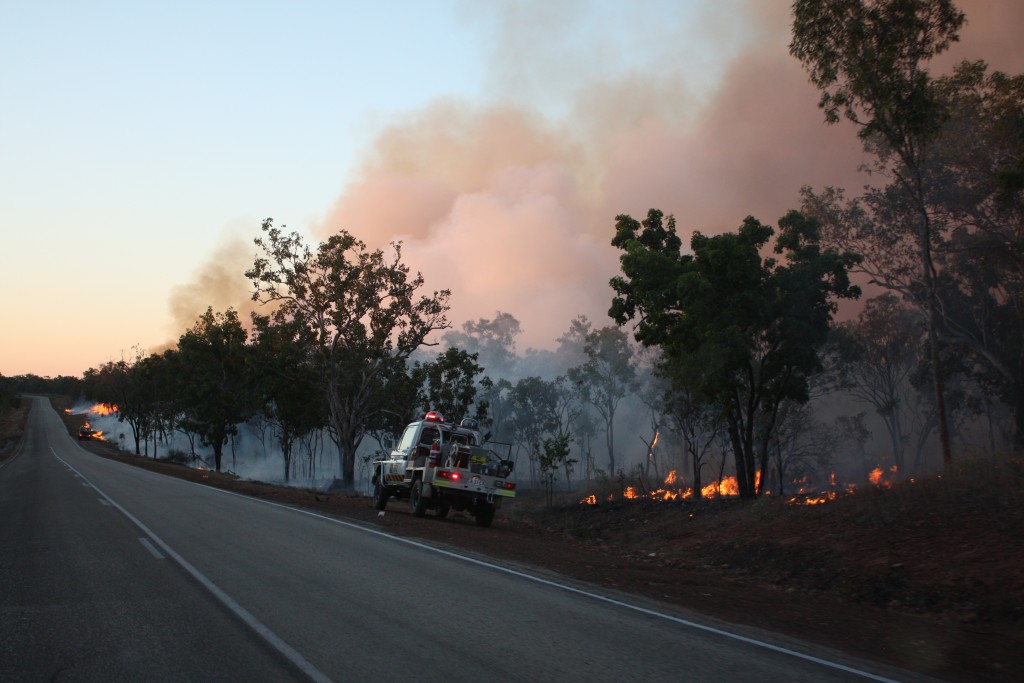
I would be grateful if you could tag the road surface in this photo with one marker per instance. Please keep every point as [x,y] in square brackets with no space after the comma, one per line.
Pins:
[110,572]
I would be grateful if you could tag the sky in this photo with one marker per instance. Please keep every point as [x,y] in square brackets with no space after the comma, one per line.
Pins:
[143,144]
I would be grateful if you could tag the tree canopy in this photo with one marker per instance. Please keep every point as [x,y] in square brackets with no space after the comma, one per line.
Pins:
[357,313]
[739,330]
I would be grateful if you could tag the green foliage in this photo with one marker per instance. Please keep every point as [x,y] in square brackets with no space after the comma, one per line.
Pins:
[285,382]
[738,330]
[117,383]
[867,60]
[219,390]
[553,457]
[357,315]
[448,384]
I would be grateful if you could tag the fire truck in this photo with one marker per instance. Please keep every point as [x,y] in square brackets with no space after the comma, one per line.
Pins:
[441,467]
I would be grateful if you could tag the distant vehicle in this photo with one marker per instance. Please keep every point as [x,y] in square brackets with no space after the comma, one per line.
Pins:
[439,466]
[87,432]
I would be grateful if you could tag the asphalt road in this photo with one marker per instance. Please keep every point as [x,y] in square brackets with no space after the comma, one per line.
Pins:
[109,572]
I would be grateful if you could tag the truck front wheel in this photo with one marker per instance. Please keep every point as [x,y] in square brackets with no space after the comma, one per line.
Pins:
[380,496]
[484,514]
[417,503]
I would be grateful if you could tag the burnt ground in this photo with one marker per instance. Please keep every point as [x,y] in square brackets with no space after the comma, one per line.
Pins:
[926,576]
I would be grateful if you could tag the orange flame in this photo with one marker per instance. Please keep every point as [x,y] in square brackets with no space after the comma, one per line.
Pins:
[103,409]
[818,500]
[671,478]
[589,500]
[726,487]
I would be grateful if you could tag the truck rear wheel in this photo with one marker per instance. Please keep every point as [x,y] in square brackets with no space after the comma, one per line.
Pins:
[380,496]
[484,514]
[417,503]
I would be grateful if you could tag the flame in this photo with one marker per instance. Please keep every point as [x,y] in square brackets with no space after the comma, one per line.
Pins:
[67,411]
[103,409]
[817,500]
[91,433]
[671,478]
[630,493]
[589,500]
[726,487]
[882,478]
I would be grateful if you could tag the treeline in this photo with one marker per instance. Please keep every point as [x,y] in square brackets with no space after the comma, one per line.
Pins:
[11,388]
[736,331]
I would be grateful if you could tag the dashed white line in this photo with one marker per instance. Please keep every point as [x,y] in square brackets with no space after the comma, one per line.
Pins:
[286,650]
[149,546]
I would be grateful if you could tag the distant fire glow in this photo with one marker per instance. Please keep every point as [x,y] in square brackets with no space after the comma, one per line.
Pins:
[103,409]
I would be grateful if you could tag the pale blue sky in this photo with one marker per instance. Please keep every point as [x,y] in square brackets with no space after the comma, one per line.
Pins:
[137,138]
[135,135]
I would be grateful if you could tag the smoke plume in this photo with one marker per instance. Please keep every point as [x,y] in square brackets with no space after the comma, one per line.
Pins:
[591,113]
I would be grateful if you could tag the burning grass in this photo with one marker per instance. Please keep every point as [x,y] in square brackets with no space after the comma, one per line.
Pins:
[950,544]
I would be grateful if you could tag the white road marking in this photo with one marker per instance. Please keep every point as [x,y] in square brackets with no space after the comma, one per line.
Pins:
[286,650]
[149,546]
[103,502]
[572,589]
[231,604]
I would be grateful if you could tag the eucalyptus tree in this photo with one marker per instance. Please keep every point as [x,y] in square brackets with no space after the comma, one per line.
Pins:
[218,385]
[356,312]
[492,339]
[606,377]
[739,330]
[869,60]
[874,359]
[534,403]
[285,382]
[117,383]
[448,384]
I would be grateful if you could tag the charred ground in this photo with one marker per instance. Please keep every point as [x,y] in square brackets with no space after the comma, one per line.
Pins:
[927,576]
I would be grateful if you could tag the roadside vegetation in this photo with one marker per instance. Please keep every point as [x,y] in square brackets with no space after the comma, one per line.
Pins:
[722,419]
[946,546]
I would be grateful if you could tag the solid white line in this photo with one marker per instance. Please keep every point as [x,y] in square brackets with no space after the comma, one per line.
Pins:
[571,589]
[251,621]
[149,546]
[103,502]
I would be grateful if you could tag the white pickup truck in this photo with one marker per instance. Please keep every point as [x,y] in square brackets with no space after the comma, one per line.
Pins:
[440,466]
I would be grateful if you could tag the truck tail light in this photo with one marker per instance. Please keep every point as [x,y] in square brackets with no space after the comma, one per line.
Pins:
[435,455]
